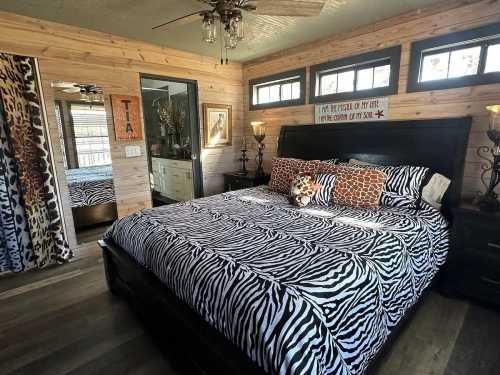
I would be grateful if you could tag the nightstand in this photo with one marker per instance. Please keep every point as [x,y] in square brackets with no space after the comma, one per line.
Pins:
[473,268]
[236,181]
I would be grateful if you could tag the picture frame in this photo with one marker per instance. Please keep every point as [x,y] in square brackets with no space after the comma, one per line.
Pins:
[126,117]
[217,125]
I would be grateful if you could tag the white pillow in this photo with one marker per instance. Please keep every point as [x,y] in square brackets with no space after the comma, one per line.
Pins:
[434,191]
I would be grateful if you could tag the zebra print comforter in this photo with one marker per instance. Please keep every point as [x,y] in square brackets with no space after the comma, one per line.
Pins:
[315,290]
[90,186]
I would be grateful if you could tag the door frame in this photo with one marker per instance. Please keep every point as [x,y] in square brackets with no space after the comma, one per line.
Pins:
[195,128]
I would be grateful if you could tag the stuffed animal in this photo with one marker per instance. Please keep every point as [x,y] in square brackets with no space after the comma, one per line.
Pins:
[302,189]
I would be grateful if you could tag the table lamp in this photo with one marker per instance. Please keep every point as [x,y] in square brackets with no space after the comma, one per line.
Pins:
[259,132]
[489,201]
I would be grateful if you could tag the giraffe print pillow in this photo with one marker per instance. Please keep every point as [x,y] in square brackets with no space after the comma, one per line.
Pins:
[285,169]
[357,187]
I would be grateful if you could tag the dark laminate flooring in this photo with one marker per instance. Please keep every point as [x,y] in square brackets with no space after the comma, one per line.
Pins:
[91,234]
[63,321]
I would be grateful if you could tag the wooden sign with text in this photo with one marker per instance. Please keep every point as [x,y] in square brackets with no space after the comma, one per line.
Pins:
[126,117]
[353,111]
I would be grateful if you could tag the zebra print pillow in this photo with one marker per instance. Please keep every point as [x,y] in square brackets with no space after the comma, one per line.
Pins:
[323,196]
[403,187]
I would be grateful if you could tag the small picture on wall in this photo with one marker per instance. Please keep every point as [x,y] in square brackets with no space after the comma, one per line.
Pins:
[126,117]
[217,125]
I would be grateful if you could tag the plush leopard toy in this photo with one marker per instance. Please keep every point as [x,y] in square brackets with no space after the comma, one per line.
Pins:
[302,189]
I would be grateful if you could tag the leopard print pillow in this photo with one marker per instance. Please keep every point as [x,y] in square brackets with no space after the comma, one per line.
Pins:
[303,189]
[285,169]
[357,187]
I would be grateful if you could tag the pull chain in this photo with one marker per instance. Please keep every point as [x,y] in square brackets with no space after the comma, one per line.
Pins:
[221,41]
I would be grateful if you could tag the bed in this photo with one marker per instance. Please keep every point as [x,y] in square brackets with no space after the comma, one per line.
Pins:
[246,283]
[92,195]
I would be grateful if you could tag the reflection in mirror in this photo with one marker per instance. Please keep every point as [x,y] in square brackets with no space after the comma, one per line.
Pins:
[83,134]
[167,108]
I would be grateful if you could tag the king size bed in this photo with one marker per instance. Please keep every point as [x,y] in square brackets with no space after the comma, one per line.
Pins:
[243,282]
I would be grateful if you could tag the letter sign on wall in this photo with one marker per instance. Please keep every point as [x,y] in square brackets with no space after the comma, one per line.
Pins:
[126,117]
[376,109]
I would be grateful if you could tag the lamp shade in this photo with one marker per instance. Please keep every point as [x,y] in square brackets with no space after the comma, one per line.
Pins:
[259,127]
[259,130]
[494,117]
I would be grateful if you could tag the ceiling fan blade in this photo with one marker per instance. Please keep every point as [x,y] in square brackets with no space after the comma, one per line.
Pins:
[72,90]
[188,18]
[62,84]
[291,8]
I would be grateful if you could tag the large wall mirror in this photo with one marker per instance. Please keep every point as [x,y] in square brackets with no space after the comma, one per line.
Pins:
[170,108]
[82,124]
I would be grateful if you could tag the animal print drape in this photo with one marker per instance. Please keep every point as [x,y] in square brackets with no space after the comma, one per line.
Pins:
[31,226]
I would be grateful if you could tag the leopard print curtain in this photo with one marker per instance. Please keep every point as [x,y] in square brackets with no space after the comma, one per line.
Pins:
[30,162]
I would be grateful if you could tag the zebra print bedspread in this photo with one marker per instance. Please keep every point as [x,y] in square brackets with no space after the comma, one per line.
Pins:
[90,186]
[315,290]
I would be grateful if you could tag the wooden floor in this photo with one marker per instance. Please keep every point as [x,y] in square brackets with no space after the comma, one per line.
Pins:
[63,321]
[91,234]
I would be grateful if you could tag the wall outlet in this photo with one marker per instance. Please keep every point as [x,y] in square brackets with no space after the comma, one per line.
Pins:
[132,151]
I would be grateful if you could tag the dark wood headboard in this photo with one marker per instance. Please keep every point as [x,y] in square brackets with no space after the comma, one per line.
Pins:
[439,144]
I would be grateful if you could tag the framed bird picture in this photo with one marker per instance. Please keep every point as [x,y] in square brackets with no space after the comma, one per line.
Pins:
[217,125]
[126,117]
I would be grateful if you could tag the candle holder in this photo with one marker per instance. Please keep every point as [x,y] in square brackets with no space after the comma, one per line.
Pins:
[259,133]
[243,160]
[489,200]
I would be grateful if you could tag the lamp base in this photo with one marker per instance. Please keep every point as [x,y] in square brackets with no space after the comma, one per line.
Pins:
[488,203]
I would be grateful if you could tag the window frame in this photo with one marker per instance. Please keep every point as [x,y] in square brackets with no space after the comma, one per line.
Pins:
[282,78]
[101,104]
[388,56]
[490,35]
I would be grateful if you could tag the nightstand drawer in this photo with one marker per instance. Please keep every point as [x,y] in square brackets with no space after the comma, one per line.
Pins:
[480,277]
[481,237]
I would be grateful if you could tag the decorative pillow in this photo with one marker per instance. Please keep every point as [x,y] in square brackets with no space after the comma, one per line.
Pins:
[284,170]
[323,196]
[357,187]
[328,168]
[331,161]
[302,189]
[433,192]
[403,185]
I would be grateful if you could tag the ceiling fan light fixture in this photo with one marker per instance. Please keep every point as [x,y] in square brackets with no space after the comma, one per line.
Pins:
[209,28]
[230,40]
[237,26]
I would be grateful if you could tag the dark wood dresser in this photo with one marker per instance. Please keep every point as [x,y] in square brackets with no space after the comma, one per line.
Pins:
[473,268]
[236,181]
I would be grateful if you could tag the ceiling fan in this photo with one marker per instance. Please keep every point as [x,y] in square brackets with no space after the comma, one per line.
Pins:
[226,17]
[88,92]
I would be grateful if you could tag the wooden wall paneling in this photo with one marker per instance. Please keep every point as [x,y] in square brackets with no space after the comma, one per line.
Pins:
[435,20]
[77,55]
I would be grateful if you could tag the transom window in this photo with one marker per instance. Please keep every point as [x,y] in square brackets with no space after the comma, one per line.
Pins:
[366,75]
[278,90]
[91,134]
[454,60]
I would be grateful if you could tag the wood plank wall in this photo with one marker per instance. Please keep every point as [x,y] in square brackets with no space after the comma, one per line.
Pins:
[439,19]
[77,55]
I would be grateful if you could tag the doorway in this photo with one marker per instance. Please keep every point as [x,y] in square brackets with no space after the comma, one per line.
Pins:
[172,134]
